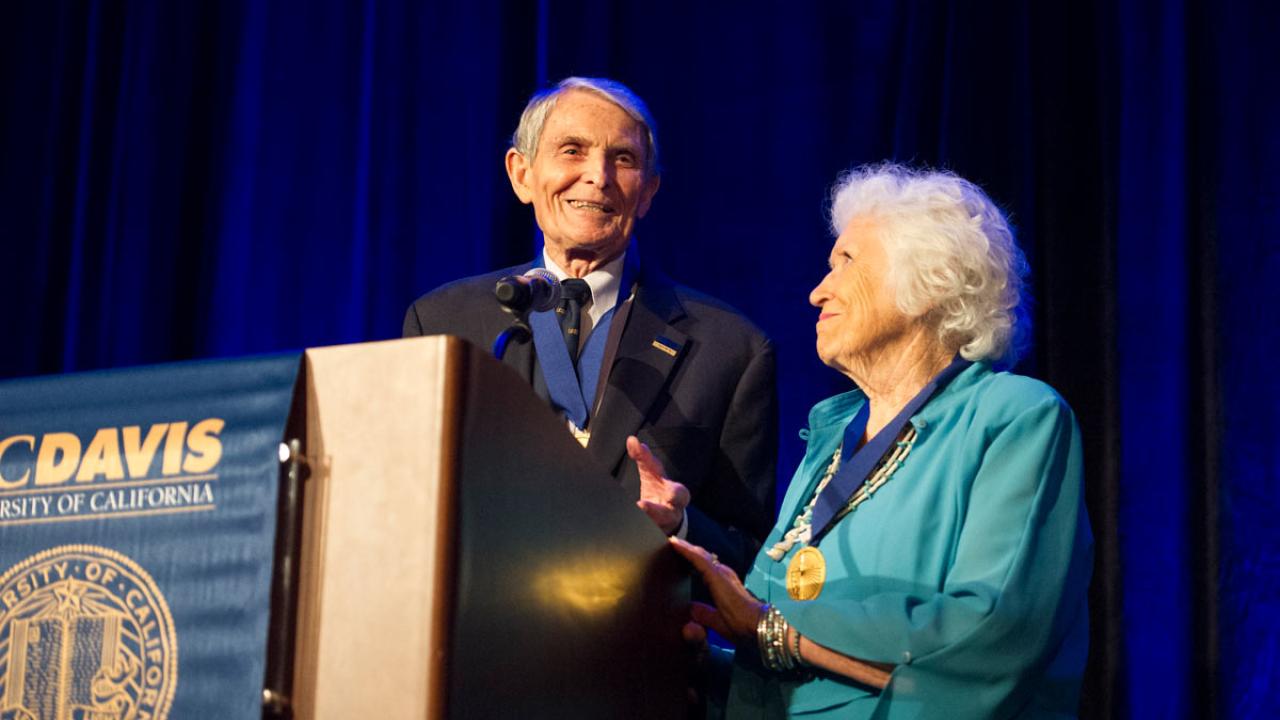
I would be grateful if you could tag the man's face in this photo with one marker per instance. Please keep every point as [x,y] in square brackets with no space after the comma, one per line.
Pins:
[859,318]
[587,182]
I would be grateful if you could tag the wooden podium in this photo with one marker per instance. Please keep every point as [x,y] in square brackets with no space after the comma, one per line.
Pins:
[462,556]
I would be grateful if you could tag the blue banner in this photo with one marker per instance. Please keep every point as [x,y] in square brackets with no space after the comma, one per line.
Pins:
[137,524]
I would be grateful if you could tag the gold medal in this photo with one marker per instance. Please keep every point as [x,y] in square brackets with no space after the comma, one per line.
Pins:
[806,573]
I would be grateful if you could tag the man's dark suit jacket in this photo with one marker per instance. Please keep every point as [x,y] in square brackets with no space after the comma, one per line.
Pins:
[709,412]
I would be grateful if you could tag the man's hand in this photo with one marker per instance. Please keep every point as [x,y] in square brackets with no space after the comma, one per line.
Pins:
[661,498]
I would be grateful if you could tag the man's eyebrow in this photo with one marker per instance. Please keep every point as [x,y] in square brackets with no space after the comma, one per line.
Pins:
[626,146]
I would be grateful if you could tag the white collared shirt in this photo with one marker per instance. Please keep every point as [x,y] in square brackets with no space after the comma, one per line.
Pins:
[605,281]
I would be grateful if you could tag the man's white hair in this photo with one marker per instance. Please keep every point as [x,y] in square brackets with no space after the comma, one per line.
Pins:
[529,132]
[952,255]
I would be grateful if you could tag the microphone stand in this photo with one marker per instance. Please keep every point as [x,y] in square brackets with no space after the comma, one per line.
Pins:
[519,331]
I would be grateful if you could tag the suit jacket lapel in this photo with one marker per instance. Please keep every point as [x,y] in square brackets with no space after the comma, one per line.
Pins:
[649,350]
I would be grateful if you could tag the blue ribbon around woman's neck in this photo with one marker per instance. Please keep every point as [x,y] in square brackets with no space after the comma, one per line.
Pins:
[854,470]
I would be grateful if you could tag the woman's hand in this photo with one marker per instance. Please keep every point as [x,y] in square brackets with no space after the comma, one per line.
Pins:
[737,612]
[661,498]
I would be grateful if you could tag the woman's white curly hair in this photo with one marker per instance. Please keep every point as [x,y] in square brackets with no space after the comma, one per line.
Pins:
[952,255]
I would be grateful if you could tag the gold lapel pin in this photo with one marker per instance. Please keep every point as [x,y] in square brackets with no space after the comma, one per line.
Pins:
[664,347]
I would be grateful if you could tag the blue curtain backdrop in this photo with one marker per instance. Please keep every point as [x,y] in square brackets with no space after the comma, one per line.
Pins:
[200,179]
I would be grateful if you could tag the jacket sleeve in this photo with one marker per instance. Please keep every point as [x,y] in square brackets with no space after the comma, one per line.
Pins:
[733,511]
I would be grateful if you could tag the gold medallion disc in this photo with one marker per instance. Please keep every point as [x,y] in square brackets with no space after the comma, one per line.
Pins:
[805,574]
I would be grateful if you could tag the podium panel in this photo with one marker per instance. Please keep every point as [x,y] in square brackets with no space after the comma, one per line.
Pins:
[369,630]
[463,556]
[568,600]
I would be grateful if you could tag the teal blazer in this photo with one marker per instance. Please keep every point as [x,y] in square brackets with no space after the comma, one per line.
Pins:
[968,570]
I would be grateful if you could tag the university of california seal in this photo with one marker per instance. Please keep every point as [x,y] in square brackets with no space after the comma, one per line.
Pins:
[84,633]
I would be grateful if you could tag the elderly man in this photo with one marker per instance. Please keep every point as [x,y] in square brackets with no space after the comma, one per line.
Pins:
[636,363]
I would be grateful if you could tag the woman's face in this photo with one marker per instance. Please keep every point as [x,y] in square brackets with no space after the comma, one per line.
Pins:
[859,318]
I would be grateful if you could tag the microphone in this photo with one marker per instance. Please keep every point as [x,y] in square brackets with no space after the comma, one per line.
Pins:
[537,290]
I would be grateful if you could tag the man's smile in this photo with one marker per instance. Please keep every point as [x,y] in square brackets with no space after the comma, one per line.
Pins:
[591,206]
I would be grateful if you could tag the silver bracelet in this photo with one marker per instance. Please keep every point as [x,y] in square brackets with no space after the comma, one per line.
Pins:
[796,658]
[771,636]
[761,629]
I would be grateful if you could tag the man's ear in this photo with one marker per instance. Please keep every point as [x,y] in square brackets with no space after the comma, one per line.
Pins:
[646,197]
[518,174]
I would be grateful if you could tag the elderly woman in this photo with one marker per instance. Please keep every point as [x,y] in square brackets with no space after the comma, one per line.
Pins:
[932,555]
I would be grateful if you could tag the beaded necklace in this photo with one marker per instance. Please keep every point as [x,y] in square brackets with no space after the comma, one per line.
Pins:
[802,529]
